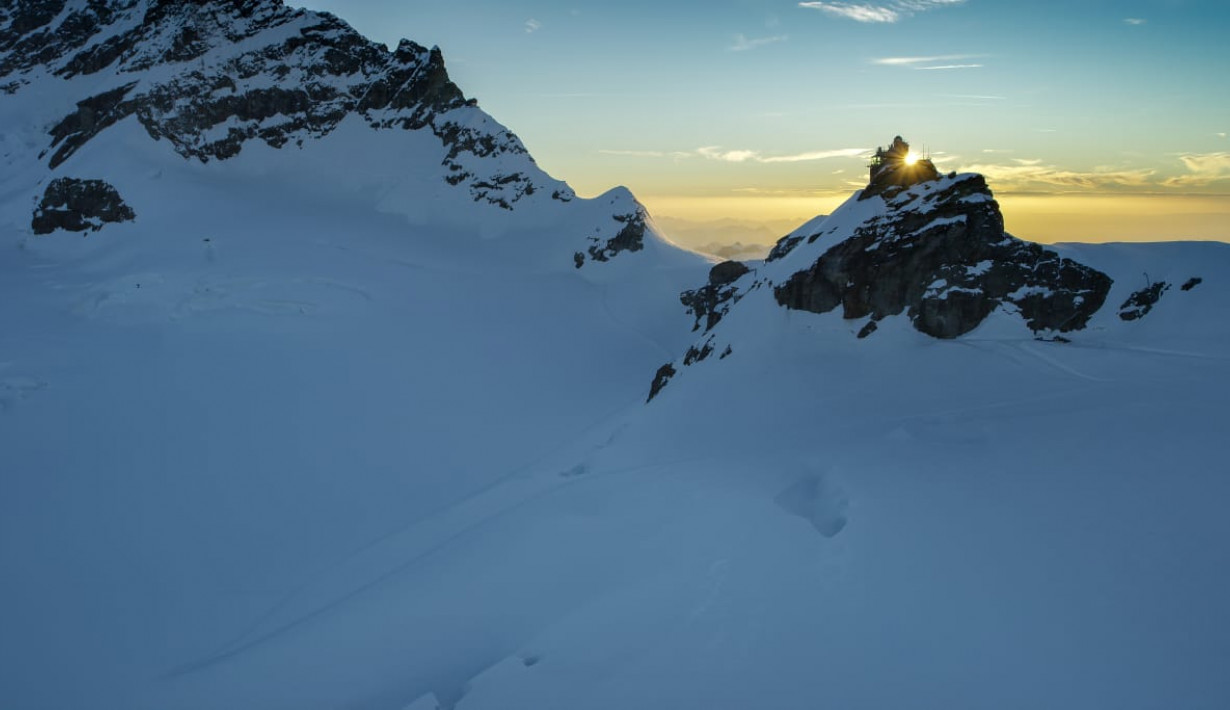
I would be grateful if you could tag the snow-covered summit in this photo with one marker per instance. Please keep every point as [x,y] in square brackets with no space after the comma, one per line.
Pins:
[932,251]
[937,251]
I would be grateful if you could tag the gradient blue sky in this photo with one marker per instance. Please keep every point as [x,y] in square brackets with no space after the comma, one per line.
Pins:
[1091,119]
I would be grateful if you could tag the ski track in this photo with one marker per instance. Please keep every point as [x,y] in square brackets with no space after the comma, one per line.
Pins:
[548,478]
[548,484]
[1036,352]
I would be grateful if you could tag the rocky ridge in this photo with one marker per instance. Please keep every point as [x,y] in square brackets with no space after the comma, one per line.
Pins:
[630,238]
[211,76]
[713,300]
[934,251]
[940,255]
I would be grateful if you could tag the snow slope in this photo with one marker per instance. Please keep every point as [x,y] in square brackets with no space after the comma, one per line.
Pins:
[320,429]
[207,407]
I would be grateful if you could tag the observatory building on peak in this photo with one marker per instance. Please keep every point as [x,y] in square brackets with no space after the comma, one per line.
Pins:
[898,166]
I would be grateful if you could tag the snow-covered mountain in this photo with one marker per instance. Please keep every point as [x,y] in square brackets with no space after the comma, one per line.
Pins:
[315,392]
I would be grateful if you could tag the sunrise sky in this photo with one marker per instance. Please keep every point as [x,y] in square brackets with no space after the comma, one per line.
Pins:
[1093,120]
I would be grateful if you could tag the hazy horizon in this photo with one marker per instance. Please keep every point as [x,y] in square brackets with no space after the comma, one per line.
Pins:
[1049,219]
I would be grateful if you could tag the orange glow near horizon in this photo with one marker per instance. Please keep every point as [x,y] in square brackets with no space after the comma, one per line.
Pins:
[1106,218]
[1040,218]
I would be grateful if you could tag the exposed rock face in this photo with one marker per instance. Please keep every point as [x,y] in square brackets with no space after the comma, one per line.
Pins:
[664,375]
[784,246]
[712,301]
[940,255]
[727,272]
[79,205]
[934,251]
[631,238]
[234,71]
[696,354]
[1141,302]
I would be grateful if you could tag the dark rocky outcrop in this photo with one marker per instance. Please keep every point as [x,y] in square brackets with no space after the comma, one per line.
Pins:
[784,246]
[631,237]
[697,354]
[218,88]
[939,254]
[25,38]
[79,205]
[712,301]
[92,116]
[664,375]
[727,272]
[1139,304]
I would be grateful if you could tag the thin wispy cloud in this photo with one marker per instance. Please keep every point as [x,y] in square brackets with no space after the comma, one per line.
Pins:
[912,61]
[723,155]
[815,155]
[974,97]
[886,107]
[744,156]
[1023,175]
[780,192]
[1134,21]
[942,61]
[648,153]
[532,26]
[573,95]
[727,156]
[1203,169]
[743,44]
[884,11]
[1032,174]
[858,13]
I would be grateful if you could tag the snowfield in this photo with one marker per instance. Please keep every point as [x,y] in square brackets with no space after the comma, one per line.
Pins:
[317,430]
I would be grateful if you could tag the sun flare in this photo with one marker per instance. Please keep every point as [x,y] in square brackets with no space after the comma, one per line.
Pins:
[911,158]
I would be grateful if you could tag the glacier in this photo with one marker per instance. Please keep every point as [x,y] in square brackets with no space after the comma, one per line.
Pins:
[326,426]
